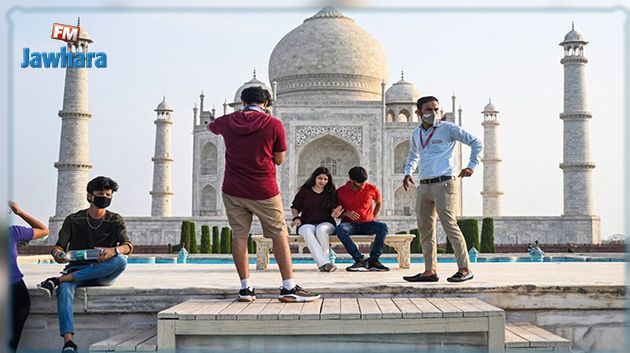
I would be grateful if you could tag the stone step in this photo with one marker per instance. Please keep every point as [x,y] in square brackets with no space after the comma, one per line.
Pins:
[524,337]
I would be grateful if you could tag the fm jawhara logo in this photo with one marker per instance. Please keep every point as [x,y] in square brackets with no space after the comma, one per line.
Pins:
[75,55]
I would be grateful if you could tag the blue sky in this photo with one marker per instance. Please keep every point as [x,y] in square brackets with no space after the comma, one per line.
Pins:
[513,58]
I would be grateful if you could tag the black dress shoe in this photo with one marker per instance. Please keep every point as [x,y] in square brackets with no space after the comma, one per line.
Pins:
[460,277]
[420,278]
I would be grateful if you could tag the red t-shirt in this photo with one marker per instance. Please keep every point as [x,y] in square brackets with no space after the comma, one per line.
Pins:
[361,201]
[251,138]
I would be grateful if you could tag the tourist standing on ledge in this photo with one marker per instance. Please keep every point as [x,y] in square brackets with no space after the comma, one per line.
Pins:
[433,147]
[21,300]
[255,142]
[314,209]
[92,228]
[361,202]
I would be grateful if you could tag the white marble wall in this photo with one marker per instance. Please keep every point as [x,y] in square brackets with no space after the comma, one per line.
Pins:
[507,230]
[213,178]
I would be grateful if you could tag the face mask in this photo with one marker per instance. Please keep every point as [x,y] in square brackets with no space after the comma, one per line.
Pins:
[428,118]
[431,118]
[101,201]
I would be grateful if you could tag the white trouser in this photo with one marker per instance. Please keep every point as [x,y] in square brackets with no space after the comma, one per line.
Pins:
[316,238]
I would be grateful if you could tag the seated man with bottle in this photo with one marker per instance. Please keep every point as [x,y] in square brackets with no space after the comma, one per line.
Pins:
[92,242]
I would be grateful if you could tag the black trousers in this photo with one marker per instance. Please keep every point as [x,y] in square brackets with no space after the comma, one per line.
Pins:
[21,308]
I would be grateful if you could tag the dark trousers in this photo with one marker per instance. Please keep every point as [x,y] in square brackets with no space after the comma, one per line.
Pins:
[346,230]
[21,308]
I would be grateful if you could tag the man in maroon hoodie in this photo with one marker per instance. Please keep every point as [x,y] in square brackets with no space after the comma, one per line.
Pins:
[255,142]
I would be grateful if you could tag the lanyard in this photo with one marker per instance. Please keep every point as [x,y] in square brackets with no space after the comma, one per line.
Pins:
[253,107]
[423,144]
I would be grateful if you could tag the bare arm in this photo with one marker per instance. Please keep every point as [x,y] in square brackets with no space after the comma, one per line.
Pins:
[278,157]
[39,229]
[377,208]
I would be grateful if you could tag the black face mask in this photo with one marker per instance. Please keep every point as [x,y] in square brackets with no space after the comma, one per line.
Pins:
[101,201]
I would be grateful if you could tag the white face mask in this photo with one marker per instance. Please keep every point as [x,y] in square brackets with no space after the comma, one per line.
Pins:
[431,118]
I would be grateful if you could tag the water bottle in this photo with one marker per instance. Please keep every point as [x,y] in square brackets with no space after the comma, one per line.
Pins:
[332,255]
[82,255]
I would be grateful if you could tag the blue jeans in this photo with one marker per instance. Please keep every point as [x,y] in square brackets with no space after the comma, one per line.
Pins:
[90,275]
[346,230]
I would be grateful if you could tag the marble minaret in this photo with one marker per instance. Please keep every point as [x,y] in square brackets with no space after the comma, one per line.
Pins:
[491,193]
[73,167]
[577,164]
[162,193]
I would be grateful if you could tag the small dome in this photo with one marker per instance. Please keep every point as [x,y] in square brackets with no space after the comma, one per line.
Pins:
[573,37]
[251,83]
[164,106]
[490,108]
[83,35]
[402,92]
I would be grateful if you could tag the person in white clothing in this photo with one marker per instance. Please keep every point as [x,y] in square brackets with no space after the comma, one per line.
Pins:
[314,214]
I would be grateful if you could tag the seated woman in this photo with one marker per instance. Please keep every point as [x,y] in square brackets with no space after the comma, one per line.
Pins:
[314,214]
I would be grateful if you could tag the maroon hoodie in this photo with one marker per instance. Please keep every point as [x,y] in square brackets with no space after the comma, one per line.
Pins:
[251,138]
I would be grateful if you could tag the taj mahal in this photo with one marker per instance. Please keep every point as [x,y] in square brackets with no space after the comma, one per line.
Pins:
[329,82]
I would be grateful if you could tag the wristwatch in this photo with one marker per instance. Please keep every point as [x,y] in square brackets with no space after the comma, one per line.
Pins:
[116,250]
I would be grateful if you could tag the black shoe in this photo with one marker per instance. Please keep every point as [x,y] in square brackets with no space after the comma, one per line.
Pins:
[358,266]
[70,347]
[375,265]
[246,295]
[297,294]
[460,277]
[48,286]
[420,278]
[328,268]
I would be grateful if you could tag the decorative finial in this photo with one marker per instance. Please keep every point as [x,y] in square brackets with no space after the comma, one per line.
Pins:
[460,108]
[195,107]
[489,100]
[402,74]
[254,72]
[453,96]
[201,95]
[78,21]
[572,26]
[163,99]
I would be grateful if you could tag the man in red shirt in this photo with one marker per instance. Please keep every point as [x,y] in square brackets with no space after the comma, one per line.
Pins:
[361,203]
[255,142]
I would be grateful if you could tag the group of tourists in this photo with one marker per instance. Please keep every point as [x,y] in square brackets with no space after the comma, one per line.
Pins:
[255,144]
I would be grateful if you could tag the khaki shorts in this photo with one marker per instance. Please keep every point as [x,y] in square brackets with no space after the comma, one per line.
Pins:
[269,211]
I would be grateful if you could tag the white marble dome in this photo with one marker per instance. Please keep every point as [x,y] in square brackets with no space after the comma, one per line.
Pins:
[490,108]
[84,35]
[329,51]
[573,37]
[164,106]
[402,92]
[251,83]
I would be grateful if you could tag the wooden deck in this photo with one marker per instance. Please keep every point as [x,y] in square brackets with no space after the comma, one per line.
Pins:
[530,338]
[351,316]
[519,338]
